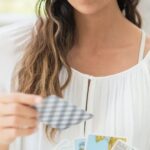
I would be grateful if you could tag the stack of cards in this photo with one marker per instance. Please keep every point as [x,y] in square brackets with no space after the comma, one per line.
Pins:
[98,142]
[120,145]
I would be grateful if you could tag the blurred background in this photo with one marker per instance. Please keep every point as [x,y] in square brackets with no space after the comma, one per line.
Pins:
[144,8]
[17,10]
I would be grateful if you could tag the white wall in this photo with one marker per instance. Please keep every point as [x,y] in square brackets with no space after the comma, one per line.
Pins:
[145,12]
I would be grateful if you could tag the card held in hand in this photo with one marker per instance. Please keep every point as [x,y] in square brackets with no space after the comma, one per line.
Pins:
[60,114]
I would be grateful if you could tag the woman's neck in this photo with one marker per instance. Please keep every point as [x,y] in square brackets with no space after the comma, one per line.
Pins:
[100,27]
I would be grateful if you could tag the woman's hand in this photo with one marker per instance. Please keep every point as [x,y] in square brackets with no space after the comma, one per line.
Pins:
[17,116]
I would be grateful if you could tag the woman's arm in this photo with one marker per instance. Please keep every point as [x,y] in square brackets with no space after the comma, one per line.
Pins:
[4,147]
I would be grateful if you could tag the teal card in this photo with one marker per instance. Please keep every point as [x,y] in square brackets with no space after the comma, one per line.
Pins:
[80,144]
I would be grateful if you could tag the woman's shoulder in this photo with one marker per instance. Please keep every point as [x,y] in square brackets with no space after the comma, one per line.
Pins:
[147,43]
[147,47]
[146,55]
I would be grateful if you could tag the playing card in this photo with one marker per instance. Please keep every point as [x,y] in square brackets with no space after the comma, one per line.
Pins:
[120,145]
[79,144]
[60,114]
[98,142]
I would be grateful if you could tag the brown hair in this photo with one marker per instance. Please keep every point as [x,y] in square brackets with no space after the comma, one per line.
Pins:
[46,53]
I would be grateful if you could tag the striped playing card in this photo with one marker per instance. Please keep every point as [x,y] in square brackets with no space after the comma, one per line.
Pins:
[60,114]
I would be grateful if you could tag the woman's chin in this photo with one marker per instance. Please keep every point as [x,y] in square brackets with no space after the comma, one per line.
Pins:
[87,11]
[88,7]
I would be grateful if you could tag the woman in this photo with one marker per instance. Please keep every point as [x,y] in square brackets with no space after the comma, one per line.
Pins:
[91,52]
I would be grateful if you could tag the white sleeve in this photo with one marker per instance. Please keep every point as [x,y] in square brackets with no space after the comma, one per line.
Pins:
[13,39]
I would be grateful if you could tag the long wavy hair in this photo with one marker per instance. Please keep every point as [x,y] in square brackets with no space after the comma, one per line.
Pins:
[46,53]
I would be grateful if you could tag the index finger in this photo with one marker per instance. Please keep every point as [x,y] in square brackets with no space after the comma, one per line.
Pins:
[27,99]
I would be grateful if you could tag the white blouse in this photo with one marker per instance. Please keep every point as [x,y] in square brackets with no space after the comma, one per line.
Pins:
[120,102]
